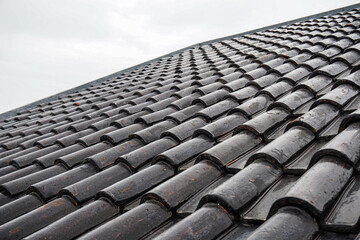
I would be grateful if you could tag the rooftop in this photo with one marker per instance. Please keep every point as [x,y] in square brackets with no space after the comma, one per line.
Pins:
[252,136]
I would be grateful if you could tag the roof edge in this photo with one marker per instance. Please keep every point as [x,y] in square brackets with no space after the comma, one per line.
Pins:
[15,111]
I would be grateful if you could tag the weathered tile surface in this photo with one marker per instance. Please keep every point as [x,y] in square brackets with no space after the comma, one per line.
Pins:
[250,137]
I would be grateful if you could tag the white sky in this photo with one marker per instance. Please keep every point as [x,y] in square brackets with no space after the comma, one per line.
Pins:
[48,46]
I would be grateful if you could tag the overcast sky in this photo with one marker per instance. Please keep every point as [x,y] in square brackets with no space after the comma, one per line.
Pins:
[48,46]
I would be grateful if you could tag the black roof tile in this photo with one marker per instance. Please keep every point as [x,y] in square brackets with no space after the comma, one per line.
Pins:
[330,173]
[259,211]
[285,147]
[207,223]
[264,123]
[75,158]
[186,129]
[345,145]
[244,186]
[52,139]
[132,186]
[333,69]
[240,231]
[296,75]
[71,138]
[132,224]
[37,219]
[333,129]
[19,207]
[95,137]
[243,93]
[145,154]
[352,79]
[294,100]
[12,143]
[278,226]
[277,89]
[331,51]
[122,134]
[236,84]
[50,187]
[239,163]
[316,83]
[298,59]
[107,157]
[317,118]
[21,184]
[336,236]
[156,117]
[84,219]
[229,149]
[87,188]
[351,118]
[301,163]
[182,153]
[26,159]
[5,199]
[181,187]
[348,202]
[20,173]
[343,43]
[221,126]
[214,111]
[253,106]
[8,155]
[191,205]
[259,128]
[7,169]
[186,113]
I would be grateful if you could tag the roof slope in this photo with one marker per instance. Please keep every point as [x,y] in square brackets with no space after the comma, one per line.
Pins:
[251,137]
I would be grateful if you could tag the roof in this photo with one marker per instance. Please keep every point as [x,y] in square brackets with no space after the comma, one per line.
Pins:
[254,136]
